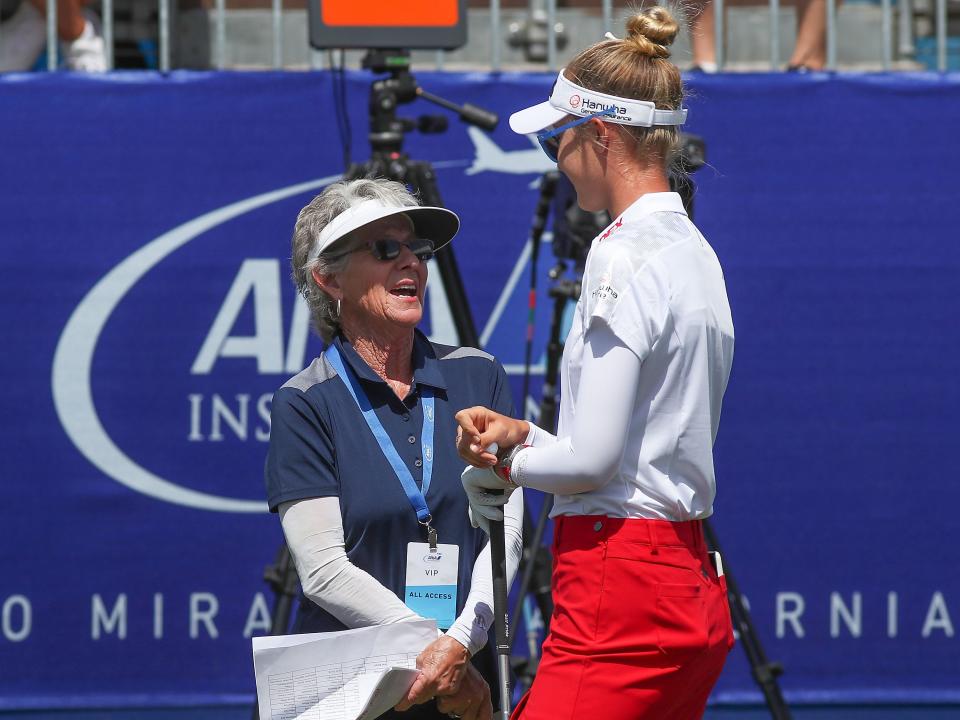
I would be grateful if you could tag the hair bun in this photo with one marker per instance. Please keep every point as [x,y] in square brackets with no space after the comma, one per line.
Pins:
[652,31]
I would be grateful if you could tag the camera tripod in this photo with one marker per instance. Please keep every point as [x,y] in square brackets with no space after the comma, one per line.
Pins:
[387,160]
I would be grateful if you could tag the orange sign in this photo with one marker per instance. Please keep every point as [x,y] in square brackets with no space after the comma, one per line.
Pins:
[390,13]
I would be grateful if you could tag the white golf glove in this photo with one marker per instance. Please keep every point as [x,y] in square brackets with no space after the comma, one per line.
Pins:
[484,504]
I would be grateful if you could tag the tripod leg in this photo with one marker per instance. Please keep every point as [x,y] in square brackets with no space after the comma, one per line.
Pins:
[283,580]
[423,180]
[764,672]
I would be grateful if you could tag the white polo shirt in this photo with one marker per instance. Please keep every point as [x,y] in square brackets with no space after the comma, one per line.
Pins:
[658,284]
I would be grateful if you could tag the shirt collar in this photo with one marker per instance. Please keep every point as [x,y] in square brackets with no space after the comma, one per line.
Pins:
[644,205]
[426,367]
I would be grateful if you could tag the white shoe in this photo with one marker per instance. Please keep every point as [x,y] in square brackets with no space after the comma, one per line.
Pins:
[22,39]
[87,53]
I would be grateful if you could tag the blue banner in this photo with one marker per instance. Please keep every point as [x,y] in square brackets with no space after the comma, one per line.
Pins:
[148,317]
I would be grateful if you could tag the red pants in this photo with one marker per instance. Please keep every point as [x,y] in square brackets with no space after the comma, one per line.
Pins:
[640,627]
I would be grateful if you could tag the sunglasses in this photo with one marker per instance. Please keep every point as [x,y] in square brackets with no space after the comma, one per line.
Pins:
[387,249]
[550,139]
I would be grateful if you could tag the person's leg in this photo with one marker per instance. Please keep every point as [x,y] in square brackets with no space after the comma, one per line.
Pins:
[79,31]
[811,48]
[24,36]
[640,628]
[70,19]
[703,35]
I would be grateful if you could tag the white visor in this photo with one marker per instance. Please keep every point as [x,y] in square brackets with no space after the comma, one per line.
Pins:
[433,223]
[568,98]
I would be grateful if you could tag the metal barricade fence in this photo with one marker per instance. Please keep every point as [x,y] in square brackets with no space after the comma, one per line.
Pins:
[904,41]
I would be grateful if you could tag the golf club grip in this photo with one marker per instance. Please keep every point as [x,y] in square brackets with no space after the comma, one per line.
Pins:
[498,562]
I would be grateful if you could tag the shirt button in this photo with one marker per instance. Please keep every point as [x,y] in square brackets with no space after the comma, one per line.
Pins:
[597,526]
[418,462]
[406,417]
[411,439]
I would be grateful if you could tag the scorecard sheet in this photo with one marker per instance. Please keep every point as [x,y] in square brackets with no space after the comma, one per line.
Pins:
[349,675]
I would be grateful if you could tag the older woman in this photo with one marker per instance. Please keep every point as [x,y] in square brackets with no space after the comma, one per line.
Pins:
[355,469]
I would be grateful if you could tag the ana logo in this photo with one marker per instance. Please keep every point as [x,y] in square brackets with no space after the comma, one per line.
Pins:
[433,557]
[574,101]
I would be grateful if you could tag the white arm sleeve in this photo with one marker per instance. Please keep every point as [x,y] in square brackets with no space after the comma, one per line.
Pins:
[589,457]
[471,628]
[314,532]
[538,437]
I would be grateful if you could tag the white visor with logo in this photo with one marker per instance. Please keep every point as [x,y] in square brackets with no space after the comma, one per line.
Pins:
[433,223]
[568,98]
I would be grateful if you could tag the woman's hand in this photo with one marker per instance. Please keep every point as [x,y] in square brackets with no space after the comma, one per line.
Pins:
[480,427]
[471,702]
[442,665]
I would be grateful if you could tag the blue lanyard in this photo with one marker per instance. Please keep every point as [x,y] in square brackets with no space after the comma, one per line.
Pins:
[414,494]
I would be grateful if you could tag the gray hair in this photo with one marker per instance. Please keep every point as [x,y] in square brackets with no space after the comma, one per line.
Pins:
[311,221]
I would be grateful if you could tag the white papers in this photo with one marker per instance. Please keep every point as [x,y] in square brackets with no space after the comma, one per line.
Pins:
[350,675]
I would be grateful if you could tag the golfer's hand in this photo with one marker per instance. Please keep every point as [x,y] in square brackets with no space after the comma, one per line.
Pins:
[442,665]
[471,702]
[480,427]
[487,493]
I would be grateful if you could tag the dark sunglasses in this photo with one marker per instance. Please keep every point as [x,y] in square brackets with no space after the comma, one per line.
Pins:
[550,139]
[387,249]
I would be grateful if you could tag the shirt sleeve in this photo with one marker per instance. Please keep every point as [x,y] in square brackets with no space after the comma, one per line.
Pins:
[301,459]
[471,628]
[314,533]
[590,455]
[502,399]
[630,296]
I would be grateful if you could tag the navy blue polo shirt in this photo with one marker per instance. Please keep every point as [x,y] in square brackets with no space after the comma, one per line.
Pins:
[320,446]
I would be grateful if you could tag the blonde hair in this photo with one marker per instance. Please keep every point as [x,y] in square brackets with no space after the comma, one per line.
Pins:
[638,67]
